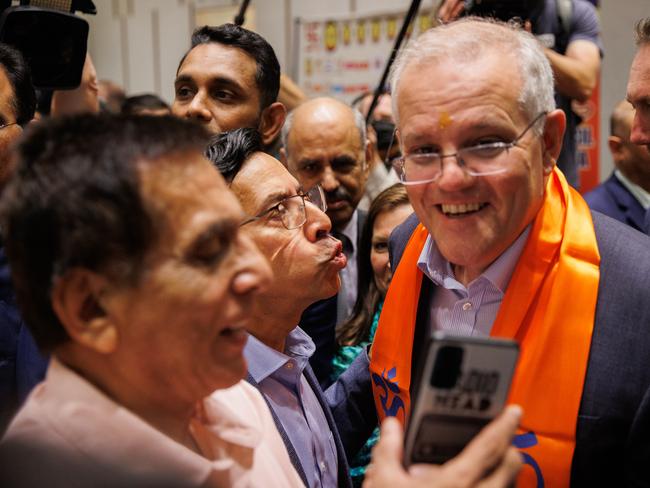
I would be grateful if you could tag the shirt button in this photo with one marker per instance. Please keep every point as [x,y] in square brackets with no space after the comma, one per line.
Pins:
[322,466]
[467,306]
[289,365]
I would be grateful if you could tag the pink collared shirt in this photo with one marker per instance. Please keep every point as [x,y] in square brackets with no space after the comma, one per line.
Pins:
[67,415]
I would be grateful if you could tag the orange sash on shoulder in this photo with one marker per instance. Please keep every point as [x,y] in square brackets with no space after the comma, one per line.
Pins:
[548,308]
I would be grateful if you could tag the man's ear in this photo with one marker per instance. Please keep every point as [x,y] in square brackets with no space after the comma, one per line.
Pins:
[553,135]
[76,299]
[615,144]
[271,122]
[369,154]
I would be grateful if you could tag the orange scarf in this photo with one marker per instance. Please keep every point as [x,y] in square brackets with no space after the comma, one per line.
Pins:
[549,308]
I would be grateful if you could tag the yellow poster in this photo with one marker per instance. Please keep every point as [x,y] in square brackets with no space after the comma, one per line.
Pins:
[330,35]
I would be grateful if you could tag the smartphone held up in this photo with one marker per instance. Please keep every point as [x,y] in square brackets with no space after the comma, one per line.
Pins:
[463,385]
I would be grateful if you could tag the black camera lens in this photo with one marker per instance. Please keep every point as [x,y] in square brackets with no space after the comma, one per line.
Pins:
[446,368]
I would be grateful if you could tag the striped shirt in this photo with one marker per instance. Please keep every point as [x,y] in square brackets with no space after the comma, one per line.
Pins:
[467,310]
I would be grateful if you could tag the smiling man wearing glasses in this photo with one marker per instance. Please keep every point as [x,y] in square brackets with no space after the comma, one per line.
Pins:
[501,245]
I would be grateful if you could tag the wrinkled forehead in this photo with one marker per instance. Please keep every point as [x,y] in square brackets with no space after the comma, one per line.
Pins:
[496,58]
[638,88]
[448,88]
[263,181]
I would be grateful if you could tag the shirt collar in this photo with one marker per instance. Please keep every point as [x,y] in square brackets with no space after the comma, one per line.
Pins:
[433,264]
[639,193]
[263,360]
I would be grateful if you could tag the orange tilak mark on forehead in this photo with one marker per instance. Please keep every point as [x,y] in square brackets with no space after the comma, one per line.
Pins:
[445,120]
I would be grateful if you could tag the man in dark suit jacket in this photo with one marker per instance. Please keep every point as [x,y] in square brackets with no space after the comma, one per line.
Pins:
[626,194]
[325,143]
[480,144]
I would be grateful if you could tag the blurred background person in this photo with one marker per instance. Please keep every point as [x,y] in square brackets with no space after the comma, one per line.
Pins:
[324,143]
[111,96]
[380,134]
[625,196]
[83,99]
[388,210]
[145,104]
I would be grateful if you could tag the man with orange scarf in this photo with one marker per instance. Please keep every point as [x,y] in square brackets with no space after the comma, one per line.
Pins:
[501,245]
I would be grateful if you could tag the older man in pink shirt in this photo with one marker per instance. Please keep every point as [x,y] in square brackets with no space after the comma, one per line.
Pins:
[127,260]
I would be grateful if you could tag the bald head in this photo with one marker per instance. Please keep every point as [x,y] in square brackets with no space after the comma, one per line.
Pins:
[325,143]
[630,159]
[621,120]
[324,110]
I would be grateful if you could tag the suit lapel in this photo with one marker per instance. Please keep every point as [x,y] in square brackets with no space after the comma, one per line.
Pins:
[343,468]
[293,455]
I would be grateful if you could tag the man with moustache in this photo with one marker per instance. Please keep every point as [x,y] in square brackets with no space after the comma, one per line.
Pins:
[625,196]
[324,143]
[290,228]
[230,78]
[505,247]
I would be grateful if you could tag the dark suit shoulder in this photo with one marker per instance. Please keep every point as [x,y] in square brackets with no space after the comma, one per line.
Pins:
[624,251]
[601,199]
[614,419]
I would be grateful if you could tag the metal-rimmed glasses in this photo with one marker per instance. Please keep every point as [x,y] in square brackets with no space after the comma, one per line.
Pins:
[291,210]
[480,160]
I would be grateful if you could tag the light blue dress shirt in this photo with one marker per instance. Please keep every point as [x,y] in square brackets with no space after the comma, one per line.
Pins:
[281,380]
[470,310]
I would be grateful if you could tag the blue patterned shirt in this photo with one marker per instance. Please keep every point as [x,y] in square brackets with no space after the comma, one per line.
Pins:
[469,310]
[281,380]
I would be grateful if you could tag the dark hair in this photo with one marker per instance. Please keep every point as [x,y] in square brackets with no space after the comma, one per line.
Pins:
[74,201]
[642,32]
[267,76]
[147,101]
[357,327]
[228,151]
[18,72]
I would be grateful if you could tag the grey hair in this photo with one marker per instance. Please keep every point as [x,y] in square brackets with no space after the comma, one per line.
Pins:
[470,38]
[642,32]
[359,122]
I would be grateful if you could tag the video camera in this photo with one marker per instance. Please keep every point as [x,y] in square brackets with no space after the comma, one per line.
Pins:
[50,37]
[504,10]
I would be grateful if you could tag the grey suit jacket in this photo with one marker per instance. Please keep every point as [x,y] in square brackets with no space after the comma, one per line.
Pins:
[613,429]
[349,408]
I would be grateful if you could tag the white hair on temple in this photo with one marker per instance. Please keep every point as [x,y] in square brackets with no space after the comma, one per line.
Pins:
[470,38]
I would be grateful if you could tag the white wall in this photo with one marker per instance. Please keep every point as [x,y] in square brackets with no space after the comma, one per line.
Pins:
[138,43]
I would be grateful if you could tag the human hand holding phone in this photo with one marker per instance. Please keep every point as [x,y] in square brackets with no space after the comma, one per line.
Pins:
[488,461]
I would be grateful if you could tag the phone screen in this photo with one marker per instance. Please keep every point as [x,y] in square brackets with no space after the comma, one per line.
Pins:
[464,385]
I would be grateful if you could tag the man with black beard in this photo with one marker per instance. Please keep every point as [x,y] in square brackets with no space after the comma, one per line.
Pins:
[325,143]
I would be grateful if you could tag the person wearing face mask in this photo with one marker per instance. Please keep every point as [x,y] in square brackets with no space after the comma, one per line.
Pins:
[381,146]
[387,211]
